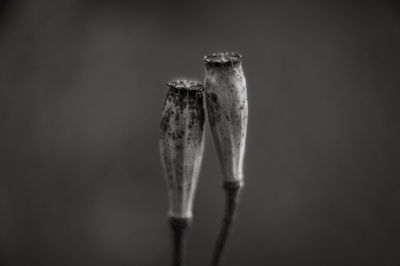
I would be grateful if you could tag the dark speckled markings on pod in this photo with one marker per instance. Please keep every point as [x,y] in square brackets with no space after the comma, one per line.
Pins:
[182,144]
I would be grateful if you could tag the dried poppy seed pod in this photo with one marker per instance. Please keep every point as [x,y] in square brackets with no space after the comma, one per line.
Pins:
[182,144]
[226,98]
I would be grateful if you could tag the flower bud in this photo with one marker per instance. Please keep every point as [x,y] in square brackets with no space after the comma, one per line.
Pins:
[226,99]
[182,143]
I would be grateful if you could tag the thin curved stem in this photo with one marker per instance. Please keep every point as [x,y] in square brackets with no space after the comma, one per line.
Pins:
[232,193]
[179,228]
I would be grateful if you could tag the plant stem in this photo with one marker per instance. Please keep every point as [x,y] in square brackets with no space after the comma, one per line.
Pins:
[179,228]
[232,192]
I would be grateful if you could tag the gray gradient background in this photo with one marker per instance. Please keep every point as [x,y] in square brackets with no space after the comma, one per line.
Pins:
[81,89]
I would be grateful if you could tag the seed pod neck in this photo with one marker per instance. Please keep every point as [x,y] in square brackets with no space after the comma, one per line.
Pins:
[225,67]
[186,88]
[182,93]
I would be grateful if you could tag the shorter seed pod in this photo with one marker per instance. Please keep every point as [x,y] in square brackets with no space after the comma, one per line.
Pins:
[182,144]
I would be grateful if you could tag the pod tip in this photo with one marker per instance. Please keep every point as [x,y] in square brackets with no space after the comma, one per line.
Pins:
[185,84]
[223,59]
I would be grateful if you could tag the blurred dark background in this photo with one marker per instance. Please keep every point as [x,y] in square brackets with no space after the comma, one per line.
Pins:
[81,89]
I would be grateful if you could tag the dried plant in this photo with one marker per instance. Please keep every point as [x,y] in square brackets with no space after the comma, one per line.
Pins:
[181,148]
[226,100]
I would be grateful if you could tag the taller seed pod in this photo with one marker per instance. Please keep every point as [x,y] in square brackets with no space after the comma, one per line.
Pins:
[181,147]
[226,99]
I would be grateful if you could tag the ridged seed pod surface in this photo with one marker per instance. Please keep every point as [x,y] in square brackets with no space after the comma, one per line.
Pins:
[226,98]
[182,144]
